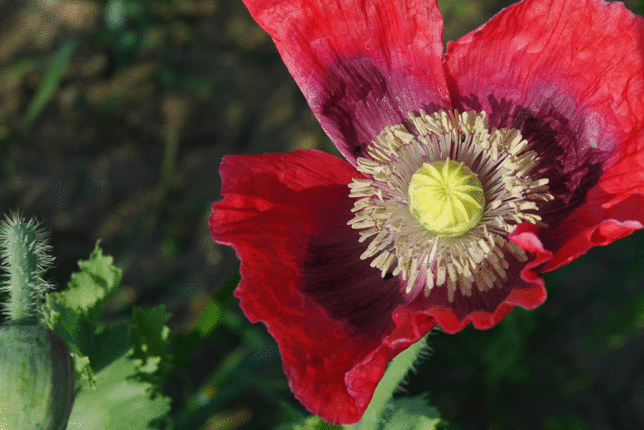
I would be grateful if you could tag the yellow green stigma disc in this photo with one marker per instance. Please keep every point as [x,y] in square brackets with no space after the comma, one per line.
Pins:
[446,198]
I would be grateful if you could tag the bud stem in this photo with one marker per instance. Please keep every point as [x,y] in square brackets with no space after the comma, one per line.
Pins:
[24,254]
[391,380]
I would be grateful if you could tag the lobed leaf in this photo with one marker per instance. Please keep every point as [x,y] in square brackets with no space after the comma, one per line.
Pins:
[118,402]
[149,338]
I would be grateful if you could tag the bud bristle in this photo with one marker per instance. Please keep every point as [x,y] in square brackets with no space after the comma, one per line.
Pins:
[25,257]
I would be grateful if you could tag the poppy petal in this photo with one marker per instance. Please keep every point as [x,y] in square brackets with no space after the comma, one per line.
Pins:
[362,65]
[614,208]
[336,320]
[576,92]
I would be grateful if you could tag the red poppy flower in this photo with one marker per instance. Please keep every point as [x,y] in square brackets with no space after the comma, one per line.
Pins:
[467,174]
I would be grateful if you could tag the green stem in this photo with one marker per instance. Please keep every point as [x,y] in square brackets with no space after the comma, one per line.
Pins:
[24,253]
[394,375]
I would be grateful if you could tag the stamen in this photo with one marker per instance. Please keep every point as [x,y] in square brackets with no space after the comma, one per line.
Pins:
[451,246]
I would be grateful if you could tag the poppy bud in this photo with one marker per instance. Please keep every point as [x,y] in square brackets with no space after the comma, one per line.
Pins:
[36,379]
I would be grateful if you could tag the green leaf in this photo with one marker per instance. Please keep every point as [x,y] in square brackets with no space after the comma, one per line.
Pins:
[311,423]
[206,322]
[410,413]
[315,423]
[121,365]
[90,288]
[48,86]
[82,370]
[118,402]
[109,343]
[149,337]
[73,314]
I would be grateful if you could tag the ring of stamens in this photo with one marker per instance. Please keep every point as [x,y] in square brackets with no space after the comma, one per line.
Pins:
[400,245]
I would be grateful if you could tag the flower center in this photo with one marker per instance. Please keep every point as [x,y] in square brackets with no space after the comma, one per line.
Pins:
[441,197]
[446,198]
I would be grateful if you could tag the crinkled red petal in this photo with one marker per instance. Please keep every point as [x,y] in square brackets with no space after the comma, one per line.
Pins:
[570,76]
[336,320]
[583,58]
[362,65]
[614,208]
